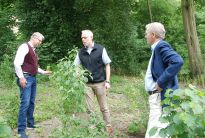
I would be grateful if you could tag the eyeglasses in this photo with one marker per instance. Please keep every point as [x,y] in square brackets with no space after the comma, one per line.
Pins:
[39,39]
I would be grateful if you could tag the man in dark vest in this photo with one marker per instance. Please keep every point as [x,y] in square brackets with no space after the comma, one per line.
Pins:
[26,67]
[95,59]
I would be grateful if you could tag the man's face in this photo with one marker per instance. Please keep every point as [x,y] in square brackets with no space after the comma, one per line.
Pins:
[150,37]
[38,41]
[87,40]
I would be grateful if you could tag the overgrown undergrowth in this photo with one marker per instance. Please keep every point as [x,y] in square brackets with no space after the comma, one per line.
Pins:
[126,98]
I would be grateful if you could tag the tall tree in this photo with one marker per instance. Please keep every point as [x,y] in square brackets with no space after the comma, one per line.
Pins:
[149,4]
[195,58]
[7,21]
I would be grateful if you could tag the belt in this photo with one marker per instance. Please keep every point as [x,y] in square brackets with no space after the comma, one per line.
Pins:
[153,92]
[95,82]
[29,74]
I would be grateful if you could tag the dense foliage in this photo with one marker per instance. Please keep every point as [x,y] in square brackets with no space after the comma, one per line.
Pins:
[7,21]
[118,25]
[71,84]
[185,115]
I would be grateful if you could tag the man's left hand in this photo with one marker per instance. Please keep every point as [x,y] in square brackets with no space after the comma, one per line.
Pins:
[107,85]
[47,72]
[158,88]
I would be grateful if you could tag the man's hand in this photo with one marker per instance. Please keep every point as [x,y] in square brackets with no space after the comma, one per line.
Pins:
[47,72]
[107,85]
[158,88]
[22,82]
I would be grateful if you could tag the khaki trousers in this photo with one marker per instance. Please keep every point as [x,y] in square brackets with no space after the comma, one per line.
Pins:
[99,90]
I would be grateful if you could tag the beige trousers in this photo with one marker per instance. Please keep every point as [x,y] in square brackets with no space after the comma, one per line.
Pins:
[99,90]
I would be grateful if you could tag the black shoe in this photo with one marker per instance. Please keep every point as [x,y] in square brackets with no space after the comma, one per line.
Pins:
[31,127]
[23,135]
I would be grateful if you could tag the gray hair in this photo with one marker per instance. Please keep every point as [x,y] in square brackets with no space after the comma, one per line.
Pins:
[88,32]
[37,35]
[156,28]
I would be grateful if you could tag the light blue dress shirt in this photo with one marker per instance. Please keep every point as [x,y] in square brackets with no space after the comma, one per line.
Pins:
[150,84]
[105,57]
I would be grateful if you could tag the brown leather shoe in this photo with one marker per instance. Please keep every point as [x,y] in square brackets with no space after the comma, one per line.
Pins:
[110,131]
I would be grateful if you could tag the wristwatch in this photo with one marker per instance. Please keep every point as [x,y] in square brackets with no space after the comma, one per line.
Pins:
[107,81]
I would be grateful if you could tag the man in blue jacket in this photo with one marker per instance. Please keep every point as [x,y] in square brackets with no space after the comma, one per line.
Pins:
[161,73]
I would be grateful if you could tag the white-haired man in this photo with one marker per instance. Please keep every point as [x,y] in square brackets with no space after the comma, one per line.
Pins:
[26,67]
[95,59]
[161,73]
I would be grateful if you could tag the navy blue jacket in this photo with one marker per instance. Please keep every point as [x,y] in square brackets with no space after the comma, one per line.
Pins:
[166,63]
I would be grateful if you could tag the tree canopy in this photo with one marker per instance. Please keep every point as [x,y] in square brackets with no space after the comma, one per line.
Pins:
[118,25]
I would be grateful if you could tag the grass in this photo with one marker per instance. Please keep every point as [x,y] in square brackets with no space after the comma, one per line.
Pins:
[133,89]
[127,101]
[46,102]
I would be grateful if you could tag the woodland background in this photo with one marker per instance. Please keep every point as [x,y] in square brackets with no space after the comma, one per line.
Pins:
[119,25]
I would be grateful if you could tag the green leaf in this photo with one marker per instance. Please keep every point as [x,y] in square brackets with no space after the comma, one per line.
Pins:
[185,106]
[176,119]
[190,120]
[153,131]
[5,131]
[167,94]
[179,93]
[197,109]
[163,133]
[164,119]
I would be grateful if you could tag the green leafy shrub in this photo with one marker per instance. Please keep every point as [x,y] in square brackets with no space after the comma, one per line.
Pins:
[9,105]
[5,130]
[7,71]
[6,22]
[12,110]
[71,84]
[185,115]
[134,128]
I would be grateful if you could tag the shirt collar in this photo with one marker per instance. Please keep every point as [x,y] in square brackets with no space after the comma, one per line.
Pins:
[31,45]
[91,46]
[154,45]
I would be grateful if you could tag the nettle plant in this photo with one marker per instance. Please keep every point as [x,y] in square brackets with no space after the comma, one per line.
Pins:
[185,114]
[71,82]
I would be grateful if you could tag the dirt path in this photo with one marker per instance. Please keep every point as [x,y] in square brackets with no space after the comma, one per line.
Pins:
[121,115]
[44,129]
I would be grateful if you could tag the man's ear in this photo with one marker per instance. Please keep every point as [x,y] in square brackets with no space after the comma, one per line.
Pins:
[154,35]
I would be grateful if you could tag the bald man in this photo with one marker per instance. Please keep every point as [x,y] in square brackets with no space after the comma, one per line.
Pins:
[95,59]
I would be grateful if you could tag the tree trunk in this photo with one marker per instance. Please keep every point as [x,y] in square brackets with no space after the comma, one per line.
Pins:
[150,9]
[195,58]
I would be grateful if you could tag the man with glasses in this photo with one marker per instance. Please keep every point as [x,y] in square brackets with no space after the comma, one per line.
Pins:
[26,68]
